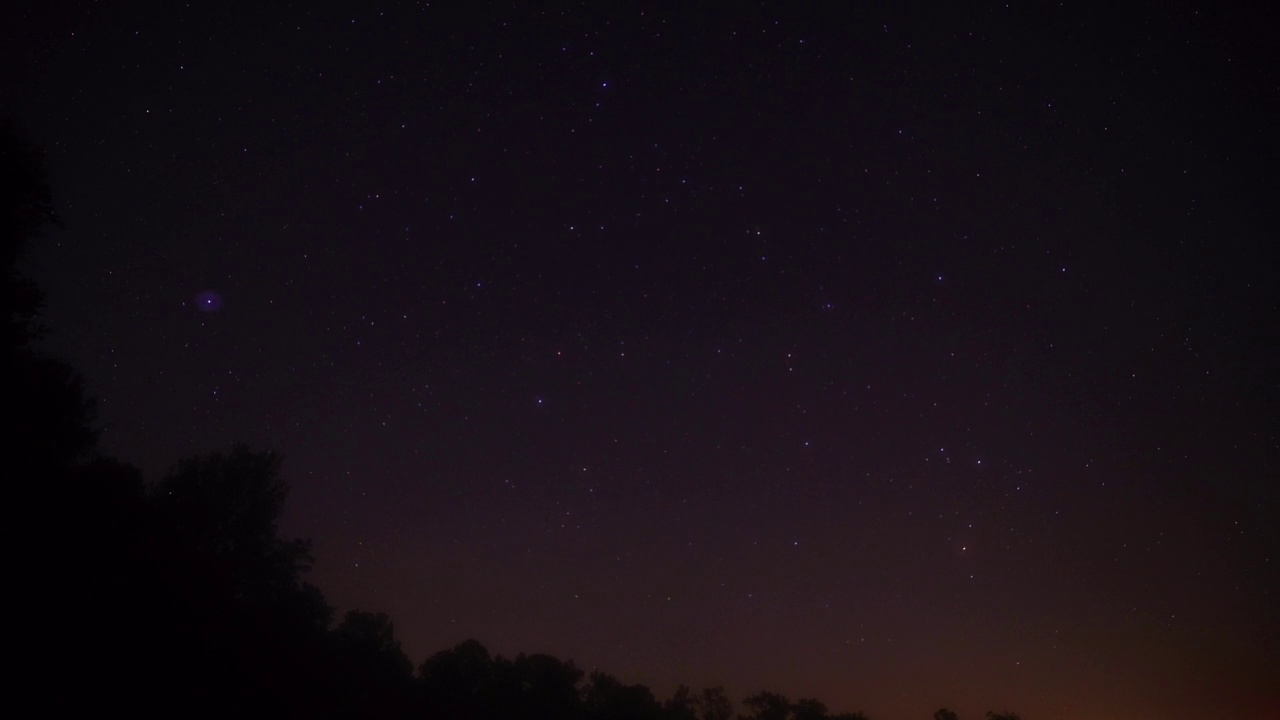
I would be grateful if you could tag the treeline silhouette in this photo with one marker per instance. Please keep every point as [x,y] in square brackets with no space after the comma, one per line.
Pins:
[179,598]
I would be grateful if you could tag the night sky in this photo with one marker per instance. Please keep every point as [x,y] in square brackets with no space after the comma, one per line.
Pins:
[903,359]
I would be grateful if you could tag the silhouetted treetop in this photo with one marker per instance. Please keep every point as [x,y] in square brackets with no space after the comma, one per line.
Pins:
[682,705]
[605,698]
[466,667]
[772,706]
[229,503]
[808,709]
[25,208]
[227,506]
[46,415]
[369,638]
[766,706]
[713,704]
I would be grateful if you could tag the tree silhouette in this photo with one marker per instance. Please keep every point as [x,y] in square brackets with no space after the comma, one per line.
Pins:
[1002,716]
[766,706]
[369,638]
[548,686]
[682,705]
[713,704]
[945,714]
[605,698]
[47,416]
[772,706]
[69,573]
[223,620]
[370,676]
[225,507]
[463,682]
[808,709]
[26,208]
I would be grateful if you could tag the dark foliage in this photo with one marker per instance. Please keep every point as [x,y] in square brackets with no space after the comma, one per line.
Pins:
[48,418]
[26,208]
[606,698]
[771,706]
[767,706]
